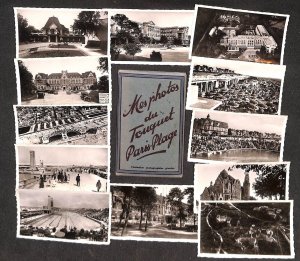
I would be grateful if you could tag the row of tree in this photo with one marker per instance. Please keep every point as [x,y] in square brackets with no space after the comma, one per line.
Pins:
[270,182]
[145,199]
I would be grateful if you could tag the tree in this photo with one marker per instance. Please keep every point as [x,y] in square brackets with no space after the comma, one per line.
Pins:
[262,52]
[144,39]
[114,52]
[132,49]
[190,208]
[270,181]
[102,85]
[145,199]
[103,64]
[25,30]
[126,193]
[164,39]
[88,22]
[127,29]
[175,198]
[26,80]
[177,41]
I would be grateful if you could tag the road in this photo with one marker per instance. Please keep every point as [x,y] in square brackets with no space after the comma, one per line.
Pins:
[61,98]
[66,218]
[176,54]
[44,46]
[87,183]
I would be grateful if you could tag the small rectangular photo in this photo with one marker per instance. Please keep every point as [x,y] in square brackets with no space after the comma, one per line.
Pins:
[61,125]
[52,168]
[242,35]
[59,32]
[236,137]
[227,181]
[150,35]
[235,86]
[153,213]
[246,229]
[75,217]
[62,81]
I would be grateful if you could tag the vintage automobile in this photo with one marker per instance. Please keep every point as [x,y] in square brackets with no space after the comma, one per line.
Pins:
[90,96]
[40,95]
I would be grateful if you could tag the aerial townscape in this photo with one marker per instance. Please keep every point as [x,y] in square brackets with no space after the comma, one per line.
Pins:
[228,34]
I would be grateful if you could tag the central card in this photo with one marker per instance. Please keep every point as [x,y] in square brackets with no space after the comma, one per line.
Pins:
[150,123]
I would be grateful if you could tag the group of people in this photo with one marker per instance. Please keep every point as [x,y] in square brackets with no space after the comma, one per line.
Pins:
[213,143]
[59,176]
[100,234]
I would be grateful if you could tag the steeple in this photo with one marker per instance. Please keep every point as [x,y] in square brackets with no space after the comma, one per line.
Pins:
[246,187]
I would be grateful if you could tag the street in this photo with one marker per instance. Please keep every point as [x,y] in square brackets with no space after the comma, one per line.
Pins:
[87,183]
[61,98]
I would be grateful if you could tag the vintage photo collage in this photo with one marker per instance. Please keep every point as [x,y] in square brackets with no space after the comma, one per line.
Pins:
[70,88]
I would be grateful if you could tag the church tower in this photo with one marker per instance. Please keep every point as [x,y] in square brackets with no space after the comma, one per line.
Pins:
[246,187]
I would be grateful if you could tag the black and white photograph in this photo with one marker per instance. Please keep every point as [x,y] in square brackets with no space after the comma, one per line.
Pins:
[153,212]
[62,168]
[61,125]
[63,81]
[235,86]
[150,35]
[242,35]
[246,229]
[58,32]
[68,217]
[226,181]
[236,137]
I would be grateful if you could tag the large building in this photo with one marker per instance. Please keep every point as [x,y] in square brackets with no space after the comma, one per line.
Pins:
[208,82]
[153,31]
[150,30]
[207,126]
[162,212]
[32,159]
[227,188]
[54,31]
[175,32]
[254,39]
[50,205]
[65,81]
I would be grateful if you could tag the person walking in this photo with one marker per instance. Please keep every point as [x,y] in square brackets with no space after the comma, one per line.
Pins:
[78,180]
[41,182]
[98,185]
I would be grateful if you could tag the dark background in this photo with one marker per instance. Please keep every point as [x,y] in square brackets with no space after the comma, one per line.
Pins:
[20,249]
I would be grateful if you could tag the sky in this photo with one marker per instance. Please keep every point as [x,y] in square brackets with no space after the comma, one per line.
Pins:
[250,122]
[205,173]
[38,17]
[165,189]
[61,199]
[57,65]
[162,19]
[245,68]
[64,156]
